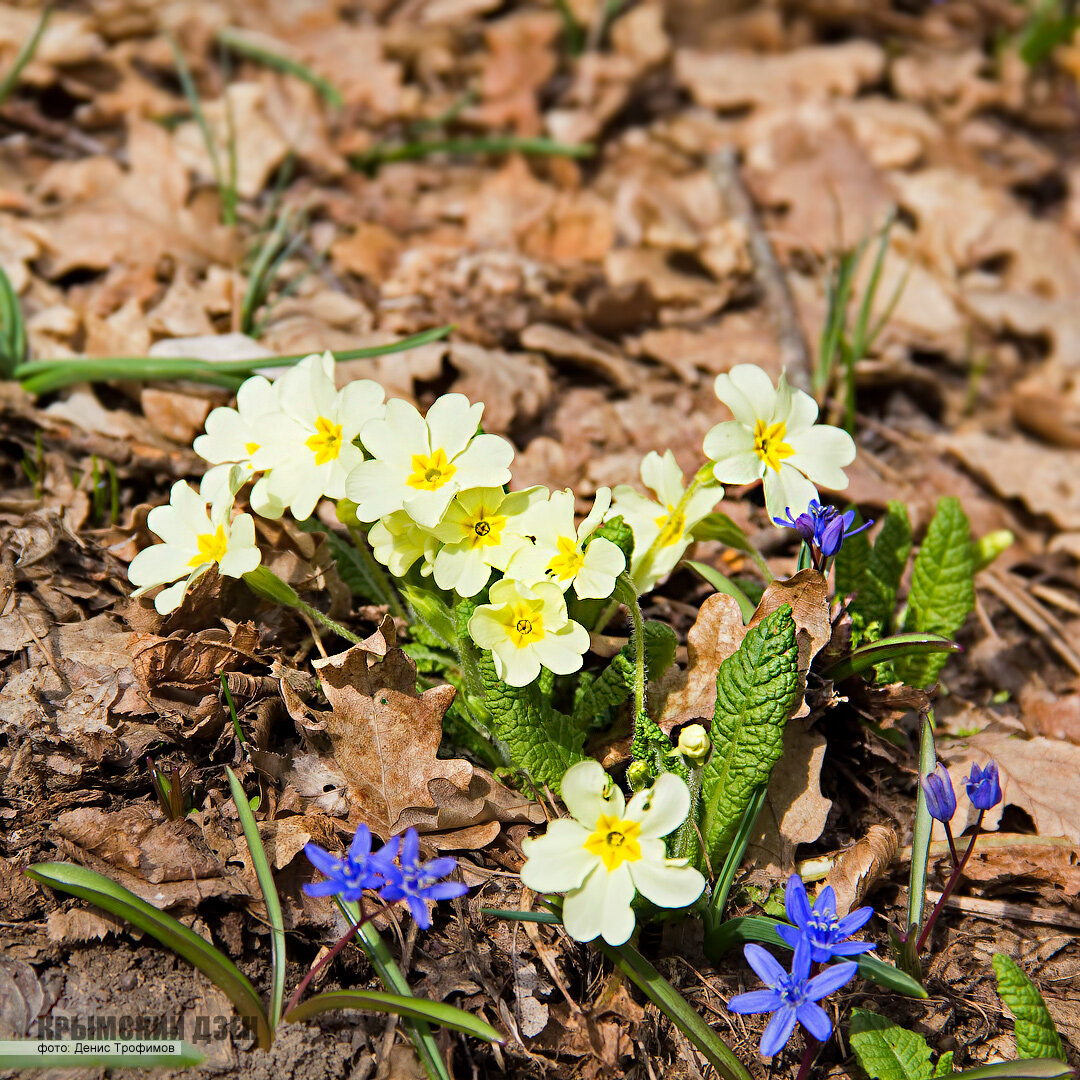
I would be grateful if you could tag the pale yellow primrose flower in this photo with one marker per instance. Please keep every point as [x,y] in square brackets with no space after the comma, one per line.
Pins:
[774,437]
[481,529]
[234,436]
[608,851]
[308,448]
[661,520]
[525,627]
[419,464]
[194,541]
[397,542]
[558,553]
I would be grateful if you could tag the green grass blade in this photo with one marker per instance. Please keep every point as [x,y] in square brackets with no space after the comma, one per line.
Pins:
[1024,1069]
[270,894]
[12,328]
[497,144]
[185,1057]
[394,980]
[42,376]
[724,584]
[226,191]
[760,928]
[24,56]
[924,826]
[115,899]
[887,650]
[243,45]
[545,917]
[666,998]
[412,1008]
[735,855]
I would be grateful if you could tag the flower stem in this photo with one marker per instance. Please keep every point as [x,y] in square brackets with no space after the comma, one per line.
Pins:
[808,1055]
[950,884]
[265,583]
[378,574]
[344,940]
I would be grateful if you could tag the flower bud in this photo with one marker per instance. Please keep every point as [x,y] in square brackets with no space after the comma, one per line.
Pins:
[940,797]
[346,513]
[695,744]
[983,786]
[638,775]
[989,547]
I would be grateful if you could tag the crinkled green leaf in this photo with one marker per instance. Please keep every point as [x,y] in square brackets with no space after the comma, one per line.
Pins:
[887,1051]
[1036,1036]
[595,698]
[757,688]
[875,599]
[541,740]
[852,560]
[619,533]
[942,588]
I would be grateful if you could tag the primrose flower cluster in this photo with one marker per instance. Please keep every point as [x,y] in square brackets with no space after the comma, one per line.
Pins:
[431,491]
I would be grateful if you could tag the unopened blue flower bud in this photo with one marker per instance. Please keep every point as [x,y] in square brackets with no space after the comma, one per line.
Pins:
[983,787]
[940,797]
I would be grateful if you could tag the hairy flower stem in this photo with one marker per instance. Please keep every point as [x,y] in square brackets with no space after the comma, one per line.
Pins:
[378,574]
[344,940]
[265,583]
[951,883]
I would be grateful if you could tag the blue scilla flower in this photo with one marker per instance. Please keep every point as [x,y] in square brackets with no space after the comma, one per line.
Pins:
[826,935]
[823,527]
[983,786]
[415,882]
[792,997]
[360,869]
[940,797]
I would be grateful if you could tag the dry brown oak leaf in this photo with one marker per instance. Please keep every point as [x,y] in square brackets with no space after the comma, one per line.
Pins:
[385,735]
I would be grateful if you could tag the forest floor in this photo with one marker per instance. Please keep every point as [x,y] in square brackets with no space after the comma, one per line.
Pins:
[595,296]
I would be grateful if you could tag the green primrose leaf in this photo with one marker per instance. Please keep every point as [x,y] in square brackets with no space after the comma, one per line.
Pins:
[541,740]
[852,560]
[594,700]
[942,588]
[875,599]
[413,1008]
[756,689]
[1036,1036]
[887,1051]
[115,899]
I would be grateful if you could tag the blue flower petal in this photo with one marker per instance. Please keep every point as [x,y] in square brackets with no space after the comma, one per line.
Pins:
[778,1032]
[789,935]
[830,980]
[851,948]
[853,922]
[765,965]
[419,912]
[360,848]
[800,964]
[323,888]
[756,1001]
[826,902]
[814,1018]
[796,903]
[323,861]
